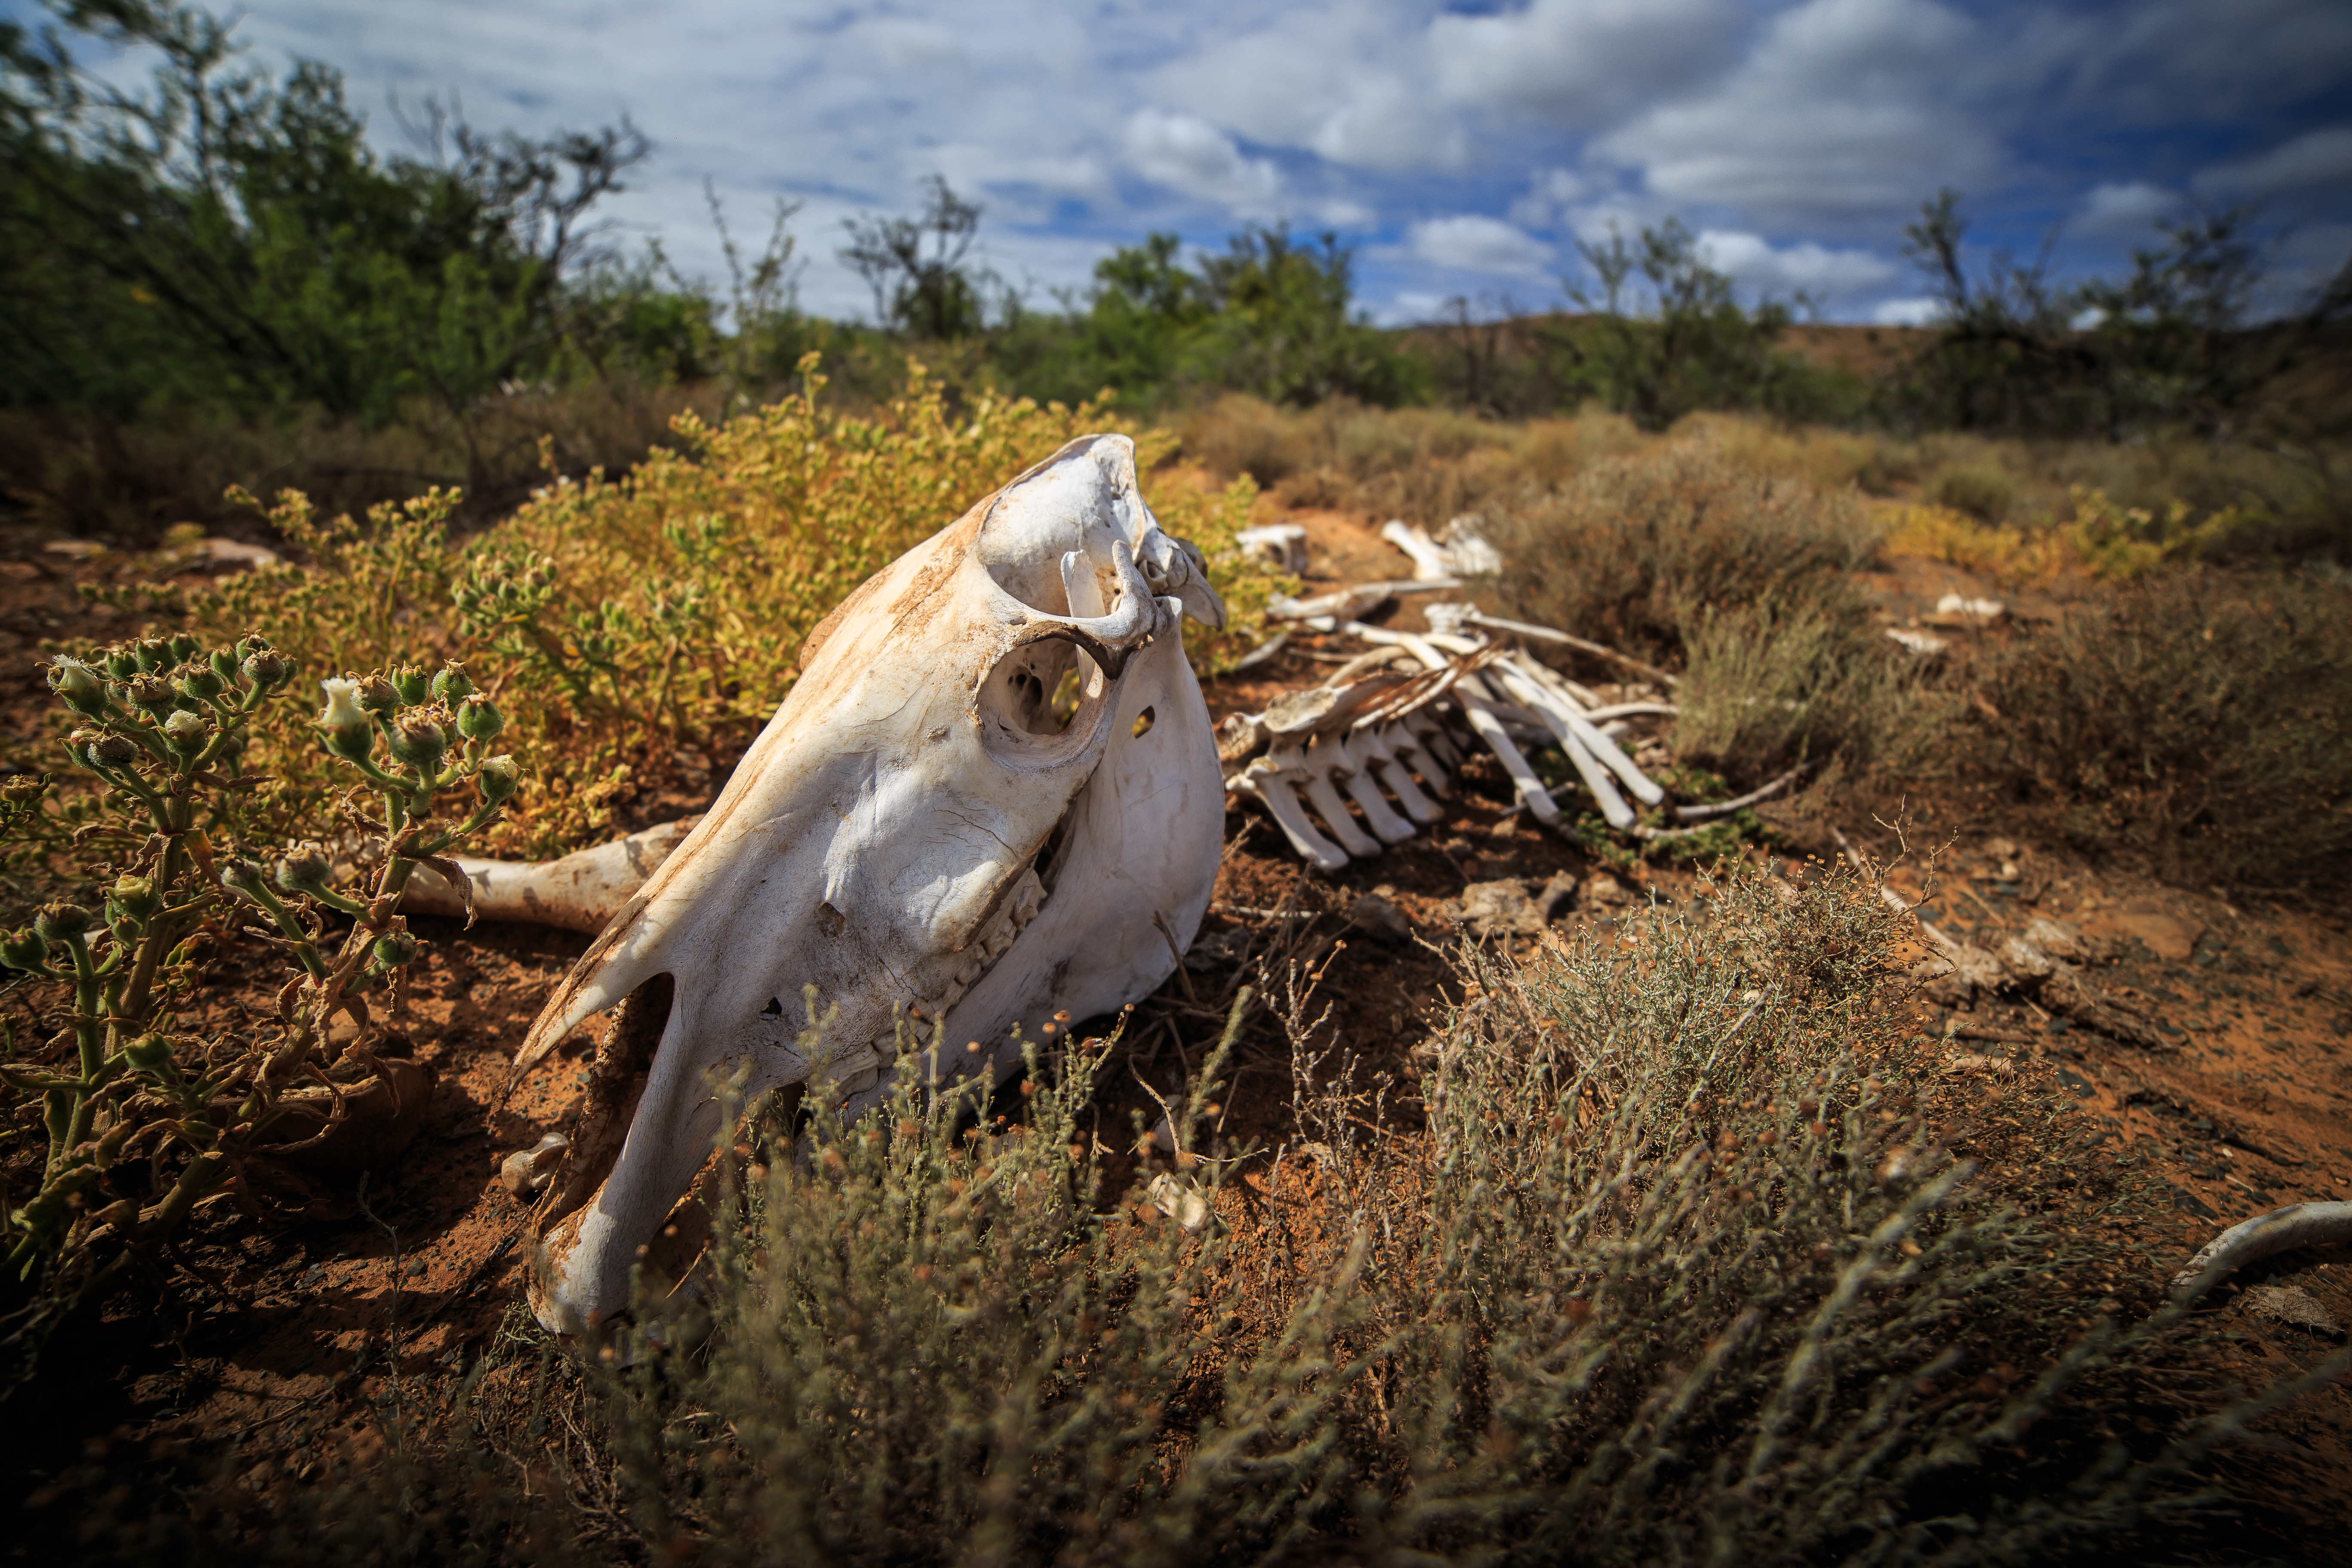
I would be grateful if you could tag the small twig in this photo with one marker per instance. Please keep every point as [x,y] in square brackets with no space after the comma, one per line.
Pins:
[1176,953]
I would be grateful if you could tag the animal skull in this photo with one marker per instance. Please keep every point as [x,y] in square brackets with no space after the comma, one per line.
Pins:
[915,836]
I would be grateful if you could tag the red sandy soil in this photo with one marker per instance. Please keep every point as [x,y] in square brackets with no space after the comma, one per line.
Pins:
[307,1308]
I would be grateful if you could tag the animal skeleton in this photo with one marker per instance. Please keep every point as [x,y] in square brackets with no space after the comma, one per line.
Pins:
[920,840]
[1369,728]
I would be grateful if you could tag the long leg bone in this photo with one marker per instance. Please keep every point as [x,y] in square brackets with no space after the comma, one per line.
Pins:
[2281,1230]
[579,892]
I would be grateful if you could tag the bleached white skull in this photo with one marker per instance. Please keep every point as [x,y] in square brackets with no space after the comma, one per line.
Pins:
[917,830]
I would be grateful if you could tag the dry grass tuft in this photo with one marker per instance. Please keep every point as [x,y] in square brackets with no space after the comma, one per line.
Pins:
[2199,719]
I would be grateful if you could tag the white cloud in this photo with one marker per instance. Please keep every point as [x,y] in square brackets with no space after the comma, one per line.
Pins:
[1409,306]
[1344,212]
[2128,208]
[1813,268]
[2315,158]
[1580,62]
[1344,80]
[1081,124]
[1187,154]
[1549,196]
[1915,312]
[1471,243]
[1846,107]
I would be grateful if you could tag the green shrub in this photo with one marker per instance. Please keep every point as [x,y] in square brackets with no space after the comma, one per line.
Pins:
[2199,719]
[1985,494]
[147,1117]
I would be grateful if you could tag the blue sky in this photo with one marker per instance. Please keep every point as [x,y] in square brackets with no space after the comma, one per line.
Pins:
[1461,148]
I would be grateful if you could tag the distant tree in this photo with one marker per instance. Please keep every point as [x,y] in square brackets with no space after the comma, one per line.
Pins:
[2172,344]
[1146,310]
[1690,346]
[224,236]
[918,268]
[1281,325]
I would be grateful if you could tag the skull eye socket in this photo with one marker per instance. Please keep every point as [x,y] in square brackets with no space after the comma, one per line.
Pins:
[1040,701]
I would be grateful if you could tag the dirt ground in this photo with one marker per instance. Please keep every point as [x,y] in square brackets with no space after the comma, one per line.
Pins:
[285,1354]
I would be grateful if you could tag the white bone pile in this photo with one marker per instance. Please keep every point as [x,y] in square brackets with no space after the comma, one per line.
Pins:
[1371,728]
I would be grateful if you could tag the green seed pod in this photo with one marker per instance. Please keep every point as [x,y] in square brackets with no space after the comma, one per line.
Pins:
[478,719]
[186,731]
[396,947]
[113,751]
[121,662]
[251,643]
[350,735]
[376,695]
[500,778]
[198,681]
[60,921]
[413,685]
[137,897]
[267,669]
[27,950]
[303,868]
[154,654]
[453,684]
[183,648]
[222,661]
[148,1052]
[79,684]
[153,694]
[419,742]
[242,875]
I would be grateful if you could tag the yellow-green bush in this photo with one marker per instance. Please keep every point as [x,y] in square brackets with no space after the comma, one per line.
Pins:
[618,620]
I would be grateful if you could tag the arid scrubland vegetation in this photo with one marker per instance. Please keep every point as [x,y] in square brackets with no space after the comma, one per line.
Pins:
[1682,1231]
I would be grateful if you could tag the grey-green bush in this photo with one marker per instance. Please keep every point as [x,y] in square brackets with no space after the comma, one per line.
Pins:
[1635,551]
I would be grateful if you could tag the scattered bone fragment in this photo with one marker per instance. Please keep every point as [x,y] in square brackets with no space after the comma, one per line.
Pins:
[1279,544]
[525,1171]
[1923,644]
[1460,550]
[1970,611]
[1180,1199]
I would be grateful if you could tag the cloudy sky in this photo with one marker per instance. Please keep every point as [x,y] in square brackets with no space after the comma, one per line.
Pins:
[1462,148]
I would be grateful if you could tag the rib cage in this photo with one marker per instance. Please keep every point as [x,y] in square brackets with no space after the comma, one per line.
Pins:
[1368,730]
